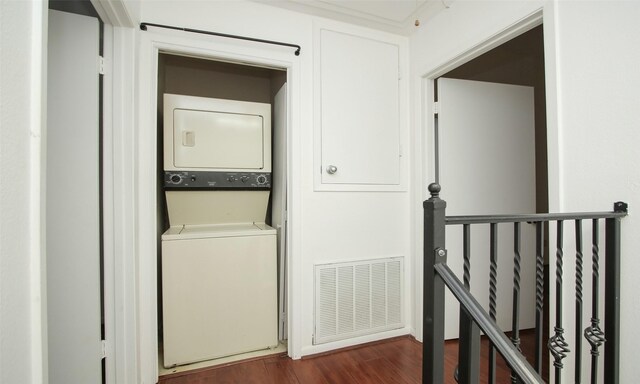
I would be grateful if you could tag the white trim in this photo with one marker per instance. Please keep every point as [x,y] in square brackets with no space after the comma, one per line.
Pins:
[331,346]
[424,130]
[144,205]
[118,152]
[37,192]
[113,12]
[108,265]
[294,233]
[554,140]
[151,44]
[517,28]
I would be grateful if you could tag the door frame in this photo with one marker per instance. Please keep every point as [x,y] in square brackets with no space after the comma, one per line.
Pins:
[425,130]
[151,44]
[120,364]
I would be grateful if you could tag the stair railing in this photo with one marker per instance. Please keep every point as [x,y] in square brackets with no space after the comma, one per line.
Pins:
[474,318]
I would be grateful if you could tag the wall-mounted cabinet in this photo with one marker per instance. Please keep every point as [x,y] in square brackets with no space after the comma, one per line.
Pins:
[359,111]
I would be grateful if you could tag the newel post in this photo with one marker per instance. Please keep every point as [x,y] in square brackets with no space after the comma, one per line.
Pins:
[433,288]
[612,297]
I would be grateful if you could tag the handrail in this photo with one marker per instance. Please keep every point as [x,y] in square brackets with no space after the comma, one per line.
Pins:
[473,317]
[620,211]
[512,356]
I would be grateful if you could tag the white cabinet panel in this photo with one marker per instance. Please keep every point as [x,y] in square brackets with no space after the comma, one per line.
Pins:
[359,110]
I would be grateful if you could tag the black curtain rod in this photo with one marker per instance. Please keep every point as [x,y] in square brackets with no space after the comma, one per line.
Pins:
[143,26]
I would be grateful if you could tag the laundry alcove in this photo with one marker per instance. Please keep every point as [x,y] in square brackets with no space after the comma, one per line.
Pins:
[219,83]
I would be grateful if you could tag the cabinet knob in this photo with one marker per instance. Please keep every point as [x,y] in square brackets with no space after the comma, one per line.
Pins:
[332,169]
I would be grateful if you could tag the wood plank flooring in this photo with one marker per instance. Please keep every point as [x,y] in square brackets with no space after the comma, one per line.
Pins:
[393,361]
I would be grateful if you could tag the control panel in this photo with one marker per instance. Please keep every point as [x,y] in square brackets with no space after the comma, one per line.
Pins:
[216,180]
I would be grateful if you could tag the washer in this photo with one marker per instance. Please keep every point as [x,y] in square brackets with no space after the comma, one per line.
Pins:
[220,291]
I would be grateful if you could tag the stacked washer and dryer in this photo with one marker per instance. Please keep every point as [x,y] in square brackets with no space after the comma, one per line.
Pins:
[219,268]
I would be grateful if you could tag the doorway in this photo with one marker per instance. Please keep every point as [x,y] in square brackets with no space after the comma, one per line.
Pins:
[519,61]
[519,65]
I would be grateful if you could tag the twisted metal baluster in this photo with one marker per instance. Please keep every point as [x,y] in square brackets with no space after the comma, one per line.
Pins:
[539,293]
[466,277]
[594,334]
[515,336]
[468,370]
[493,278]
[466,251]
[557,345]
[578,330]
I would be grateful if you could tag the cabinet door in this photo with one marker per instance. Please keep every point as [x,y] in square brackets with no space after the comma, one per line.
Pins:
[359,110]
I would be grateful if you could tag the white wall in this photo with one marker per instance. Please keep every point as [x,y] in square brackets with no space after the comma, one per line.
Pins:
[326,226]
[21,84]
[598,80]
[592,102]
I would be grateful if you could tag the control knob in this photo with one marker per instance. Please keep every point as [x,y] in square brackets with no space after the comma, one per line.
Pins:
[175,179]
[261,179]
[244,179]
[231,179]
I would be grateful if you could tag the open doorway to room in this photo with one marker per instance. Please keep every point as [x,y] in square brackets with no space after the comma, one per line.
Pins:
[491,158]
[519,61]
[221,193]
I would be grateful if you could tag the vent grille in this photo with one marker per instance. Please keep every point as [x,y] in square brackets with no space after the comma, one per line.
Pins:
[358,298]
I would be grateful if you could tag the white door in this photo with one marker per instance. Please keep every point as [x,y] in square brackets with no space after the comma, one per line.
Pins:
[360,118]
[487,166]
[72,201]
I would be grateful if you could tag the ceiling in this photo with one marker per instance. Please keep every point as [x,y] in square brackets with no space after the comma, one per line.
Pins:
[396,16]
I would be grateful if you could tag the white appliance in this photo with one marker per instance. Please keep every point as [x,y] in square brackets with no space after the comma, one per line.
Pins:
[216,134]
[219,262]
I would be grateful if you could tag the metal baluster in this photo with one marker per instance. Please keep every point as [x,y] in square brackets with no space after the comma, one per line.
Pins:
[493,277]
[469,352]
[539,293]
[466,253]
[593,334]
[579,257]
[515,322]
[557,345]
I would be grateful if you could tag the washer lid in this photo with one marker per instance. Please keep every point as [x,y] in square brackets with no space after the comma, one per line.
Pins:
[183,232]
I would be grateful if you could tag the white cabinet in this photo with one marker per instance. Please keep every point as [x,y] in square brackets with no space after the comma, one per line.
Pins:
[358,112]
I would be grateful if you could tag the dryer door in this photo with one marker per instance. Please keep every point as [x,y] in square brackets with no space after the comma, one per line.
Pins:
[209,139]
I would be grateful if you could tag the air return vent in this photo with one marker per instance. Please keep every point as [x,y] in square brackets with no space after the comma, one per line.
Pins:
[358,298]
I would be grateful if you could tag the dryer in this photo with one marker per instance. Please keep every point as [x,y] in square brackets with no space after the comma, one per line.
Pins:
[219,261]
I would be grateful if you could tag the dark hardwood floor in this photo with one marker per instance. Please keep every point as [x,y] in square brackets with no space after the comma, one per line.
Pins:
[392,361]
